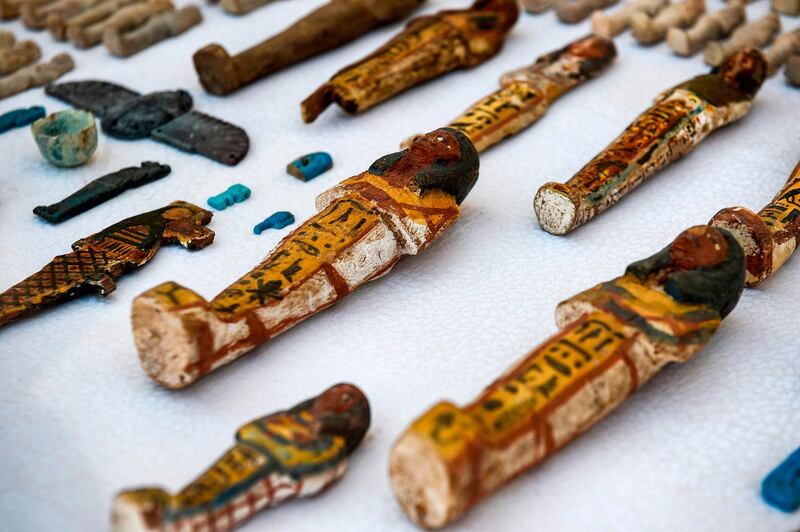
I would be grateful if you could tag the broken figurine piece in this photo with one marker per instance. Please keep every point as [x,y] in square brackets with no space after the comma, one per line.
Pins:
[429,47]
[309,166]
[612,24]
[235,194]
[19,55]
[709,27]
[651,30]
[101,190]
[294,453]
[752,35]
[36,75]
[20,118]
[527,93]
[123,41]
[278,220]
[365,224]
[164,116]
[781,488]
[66,138]
[97,261]
[327,27]
[613,338]
[678,121]
[769,237]
[574,11]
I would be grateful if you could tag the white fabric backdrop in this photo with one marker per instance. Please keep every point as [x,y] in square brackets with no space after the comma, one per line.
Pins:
[80,421]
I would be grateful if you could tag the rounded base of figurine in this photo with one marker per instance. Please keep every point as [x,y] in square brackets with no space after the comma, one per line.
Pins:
[555,210]
[678,40]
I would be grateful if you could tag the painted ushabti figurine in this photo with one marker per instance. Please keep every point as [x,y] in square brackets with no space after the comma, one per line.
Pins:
[97,261]
[769,237]
[365,224]
[428,48]
[327,27]
[613,338]
[680,119]
[527,93]
[294,453]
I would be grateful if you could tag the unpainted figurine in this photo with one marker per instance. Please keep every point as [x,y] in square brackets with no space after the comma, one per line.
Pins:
[787,7]
[574,11]
[400,206]
[709,27]
[290,454]
[36,75]
[124,41]
[752,35]
[128,17]
[612,339]
[428,48]
[612,24]
[97,261]
[680,119]
[651,30]
[7,39]
[86,28]
[537,6]
[793,70]
[20,54]
[785,45]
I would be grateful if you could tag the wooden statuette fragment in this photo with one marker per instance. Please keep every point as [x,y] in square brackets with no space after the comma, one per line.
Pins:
[126,42]
[401,205]
[574,11]
[612,339]
[36,75]
[19,55]
[327,27]
[771,236]
[752,35]
[678,121]
[527,93]
[429,47]
[709,27]
[97,261]
[612,24]
[651,30]
[793,70]
[290,454]
[101,190]
[785,45]
[787,7]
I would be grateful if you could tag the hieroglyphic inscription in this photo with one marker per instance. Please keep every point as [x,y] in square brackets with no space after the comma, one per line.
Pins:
[500,107]
[785,209]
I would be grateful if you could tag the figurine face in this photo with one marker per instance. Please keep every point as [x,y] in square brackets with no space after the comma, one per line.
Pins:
[592,47]
[343,410]
[745,70]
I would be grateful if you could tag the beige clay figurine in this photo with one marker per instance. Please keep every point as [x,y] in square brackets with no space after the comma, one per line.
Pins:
[653,29]
[612,24]
[755,34]
[709,27]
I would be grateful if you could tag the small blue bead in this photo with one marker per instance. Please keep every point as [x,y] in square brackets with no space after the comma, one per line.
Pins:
[20,118]
[781,488]
[279,220]
[310,166]
[235,194]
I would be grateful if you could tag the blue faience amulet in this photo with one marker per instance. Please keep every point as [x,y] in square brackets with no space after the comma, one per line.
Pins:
[279,220]
[20,118]
[310,166]
[781,488]
[66,138]
[235,194]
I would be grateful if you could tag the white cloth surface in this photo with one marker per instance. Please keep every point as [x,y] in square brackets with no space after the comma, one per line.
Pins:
[80,420]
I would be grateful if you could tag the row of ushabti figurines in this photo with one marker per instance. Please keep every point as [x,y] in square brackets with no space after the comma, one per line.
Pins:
[20,68]
[612,339]
[124,27]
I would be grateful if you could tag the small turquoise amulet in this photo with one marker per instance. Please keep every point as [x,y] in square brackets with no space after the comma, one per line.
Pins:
[309,166]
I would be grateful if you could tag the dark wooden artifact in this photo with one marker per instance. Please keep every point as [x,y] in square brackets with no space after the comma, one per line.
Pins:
[97,261]
[164,116]
[101,190]
[327,27]
[429,47]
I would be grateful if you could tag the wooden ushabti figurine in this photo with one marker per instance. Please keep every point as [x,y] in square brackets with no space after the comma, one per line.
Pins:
[527,93]
[785,45]
[428,48]
[678,121]
[289,454]
[612,24]
[769,237]
[755,34]
[365,224]
[651,30]
[327,27]
[97,261]
[709,27]
[613,338]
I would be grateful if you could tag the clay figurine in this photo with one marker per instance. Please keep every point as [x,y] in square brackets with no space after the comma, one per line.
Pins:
[289,454]
[680,119]
[781,488]
[309,166]
[753,35]
[612,339]
[784,46]
[709,27]
[770,237]
[574,11]
[86,28]
[127,40]
[651,30]
[97,261]
[612,24]
[101,190]
[242,7]
[66,138]
[164,116]
[429,47]
[327,27]
[278,220]
[235,194]
[17,56]
[793,70]
[36,75]
[7,39]
[124,18]
[787,7]
[401,205]
[20,118]
[527,93]
[537,6]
